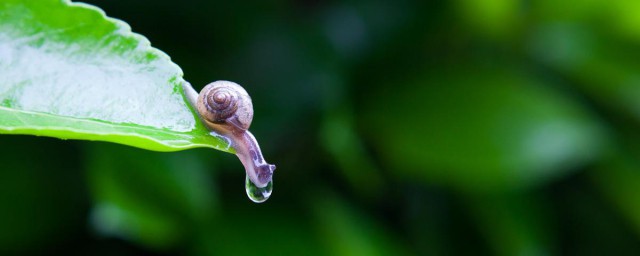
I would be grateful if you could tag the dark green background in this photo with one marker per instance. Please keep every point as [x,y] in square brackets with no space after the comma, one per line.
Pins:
[398,128]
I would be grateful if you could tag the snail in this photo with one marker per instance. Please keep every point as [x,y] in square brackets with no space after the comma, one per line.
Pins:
[226,109]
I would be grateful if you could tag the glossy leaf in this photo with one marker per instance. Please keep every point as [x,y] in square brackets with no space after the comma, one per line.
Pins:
[70,72]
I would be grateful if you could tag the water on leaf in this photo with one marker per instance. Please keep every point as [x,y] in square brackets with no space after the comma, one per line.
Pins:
[256,194]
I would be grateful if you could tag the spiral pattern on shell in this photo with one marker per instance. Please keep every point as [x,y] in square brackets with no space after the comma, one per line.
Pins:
[223,102]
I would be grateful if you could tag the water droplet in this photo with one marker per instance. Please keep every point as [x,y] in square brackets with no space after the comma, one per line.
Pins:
[256,194]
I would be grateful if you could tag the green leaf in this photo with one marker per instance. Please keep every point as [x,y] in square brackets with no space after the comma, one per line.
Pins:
[155,202]
[346,231]
[487,130]
[70,72]
[242,229]
[513,224]
[42,200]
[618,179]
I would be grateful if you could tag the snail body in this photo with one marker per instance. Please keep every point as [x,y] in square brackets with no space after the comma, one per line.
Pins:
[226,109]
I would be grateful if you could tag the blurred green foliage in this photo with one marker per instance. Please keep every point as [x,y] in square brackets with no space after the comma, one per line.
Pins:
[398,127]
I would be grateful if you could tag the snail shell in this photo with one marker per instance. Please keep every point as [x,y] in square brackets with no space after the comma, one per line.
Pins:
[226,108]
[225,103]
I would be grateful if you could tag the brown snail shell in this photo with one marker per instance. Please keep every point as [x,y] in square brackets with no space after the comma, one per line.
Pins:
[224,102]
